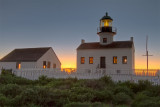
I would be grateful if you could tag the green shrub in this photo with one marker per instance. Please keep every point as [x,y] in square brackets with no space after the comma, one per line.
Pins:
[85,104]
[105,96]
[142,100]
[6,72]
[94,84]
[125,90]
[11,90]
[3,100]
[122,98]
[81,94]
[107,80]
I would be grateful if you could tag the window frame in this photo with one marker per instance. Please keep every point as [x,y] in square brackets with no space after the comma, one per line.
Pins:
[48,64]
[123,60]
[18,65]
[114,59]
[82,60]
[104,40]
[44,64]
[90,60]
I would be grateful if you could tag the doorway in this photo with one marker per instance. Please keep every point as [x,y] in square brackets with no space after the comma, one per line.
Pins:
[102,62]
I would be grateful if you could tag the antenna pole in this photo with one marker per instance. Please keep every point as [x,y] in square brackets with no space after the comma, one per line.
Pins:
[147,55]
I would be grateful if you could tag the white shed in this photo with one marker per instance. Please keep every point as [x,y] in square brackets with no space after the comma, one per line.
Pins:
[44,57]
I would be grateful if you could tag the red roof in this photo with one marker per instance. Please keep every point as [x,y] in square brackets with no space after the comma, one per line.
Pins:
[97,45]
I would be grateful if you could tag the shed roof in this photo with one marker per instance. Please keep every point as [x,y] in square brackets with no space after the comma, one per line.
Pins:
[97,45]
[25,55]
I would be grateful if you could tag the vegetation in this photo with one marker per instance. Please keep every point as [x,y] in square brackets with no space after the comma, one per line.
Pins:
[71,92]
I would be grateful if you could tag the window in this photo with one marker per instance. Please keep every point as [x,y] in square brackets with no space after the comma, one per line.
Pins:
[18,65]
[82,60]
[90,60]
[115,60]
[54,65]
[124,59]
[48,64]
[44,64]
[104,40]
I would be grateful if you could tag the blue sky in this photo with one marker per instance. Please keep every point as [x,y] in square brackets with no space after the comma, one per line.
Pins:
[62,24]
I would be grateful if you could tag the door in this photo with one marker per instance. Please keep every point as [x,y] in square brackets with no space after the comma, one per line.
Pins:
[102,62]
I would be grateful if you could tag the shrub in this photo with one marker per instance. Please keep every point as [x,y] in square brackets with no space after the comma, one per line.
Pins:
[122,98]
[11,90]
[105,96]
[3,100]
[6,72]
[125,90]
[94,84]
[85,104]
[107,80]
[81,94]
[142,100]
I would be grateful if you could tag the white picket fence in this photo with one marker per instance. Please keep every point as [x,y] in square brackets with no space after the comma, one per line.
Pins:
[116,75]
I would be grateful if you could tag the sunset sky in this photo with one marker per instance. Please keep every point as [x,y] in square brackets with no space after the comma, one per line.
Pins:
[61,24]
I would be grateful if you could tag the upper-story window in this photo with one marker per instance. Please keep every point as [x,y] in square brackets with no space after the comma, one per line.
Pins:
[82,60]
[115,60]
[124,59]
[90,60]
[104,40]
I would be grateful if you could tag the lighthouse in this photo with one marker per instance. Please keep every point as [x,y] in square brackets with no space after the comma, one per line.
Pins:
[105,31]
[106,54]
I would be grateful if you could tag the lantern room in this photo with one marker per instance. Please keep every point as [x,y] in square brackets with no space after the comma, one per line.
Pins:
[106,21]
[106,24]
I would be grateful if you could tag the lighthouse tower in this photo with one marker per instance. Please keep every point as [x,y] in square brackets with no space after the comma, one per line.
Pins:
[106,31]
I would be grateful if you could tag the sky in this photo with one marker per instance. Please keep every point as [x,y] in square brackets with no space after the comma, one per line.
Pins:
[61,24]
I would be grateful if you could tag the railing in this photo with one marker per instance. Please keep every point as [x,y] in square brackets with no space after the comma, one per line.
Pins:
[116,75]
[107,29]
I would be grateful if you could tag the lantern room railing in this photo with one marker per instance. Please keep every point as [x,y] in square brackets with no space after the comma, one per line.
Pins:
[107,29]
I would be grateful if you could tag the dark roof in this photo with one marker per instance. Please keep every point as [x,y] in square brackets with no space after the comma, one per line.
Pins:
[25,55]
[97,45]
[106,17]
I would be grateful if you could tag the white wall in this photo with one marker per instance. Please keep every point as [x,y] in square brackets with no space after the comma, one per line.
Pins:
[107,35]
[8,65]
[12,65]
[108,53]
[28,64]
[51,57]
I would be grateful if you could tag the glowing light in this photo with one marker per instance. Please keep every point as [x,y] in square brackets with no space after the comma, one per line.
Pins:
[106,22]
[19,66]
[44,66]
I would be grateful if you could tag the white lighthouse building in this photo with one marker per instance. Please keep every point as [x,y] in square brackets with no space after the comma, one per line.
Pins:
[106,54]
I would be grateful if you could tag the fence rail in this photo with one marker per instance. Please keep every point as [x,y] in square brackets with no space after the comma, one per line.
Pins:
[117,75]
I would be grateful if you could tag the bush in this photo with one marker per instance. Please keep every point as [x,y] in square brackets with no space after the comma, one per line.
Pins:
[94,84]
[6,72]
[142,100]
[125,90]
[85,104]
[122,98]
[3,100]
[105,96]
[107,80]
[11,90]
[81,94]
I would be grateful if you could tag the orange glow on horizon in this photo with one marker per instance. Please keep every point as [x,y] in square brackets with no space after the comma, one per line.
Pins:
[68,61]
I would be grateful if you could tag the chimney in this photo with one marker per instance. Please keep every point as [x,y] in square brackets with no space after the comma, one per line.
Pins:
[82,41]
[132,39]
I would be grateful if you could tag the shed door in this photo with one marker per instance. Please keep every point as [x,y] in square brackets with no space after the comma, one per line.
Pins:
[102,62]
